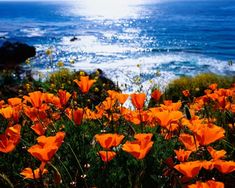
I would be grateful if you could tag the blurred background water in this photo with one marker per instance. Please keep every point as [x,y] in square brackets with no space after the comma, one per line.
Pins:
[167,38]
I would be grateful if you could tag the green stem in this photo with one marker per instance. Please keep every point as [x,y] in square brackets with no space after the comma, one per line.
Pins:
[57,156]
[56,170]
[25,142]
[79,164]
[6,179]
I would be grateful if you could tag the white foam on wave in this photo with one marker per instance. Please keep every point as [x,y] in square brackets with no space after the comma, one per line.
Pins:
[33,32]
[121,36]
[3,34]
[216,66]
[91,44]
[131,30]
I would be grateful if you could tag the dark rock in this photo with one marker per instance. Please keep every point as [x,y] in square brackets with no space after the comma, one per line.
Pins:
[14,53]
[73,39]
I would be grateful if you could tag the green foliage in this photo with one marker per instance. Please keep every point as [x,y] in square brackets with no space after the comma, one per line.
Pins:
[196,85]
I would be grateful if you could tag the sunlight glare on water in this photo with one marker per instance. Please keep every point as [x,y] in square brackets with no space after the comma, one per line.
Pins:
[107,9]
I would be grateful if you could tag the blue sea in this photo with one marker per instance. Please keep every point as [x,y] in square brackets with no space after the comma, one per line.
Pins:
[166,38]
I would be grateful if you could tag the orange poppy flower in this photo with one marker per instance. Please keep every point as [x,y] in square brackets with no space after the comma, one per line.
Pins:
[10,139]
[182,155]
[43,153]
[122,98]
[139,148]
[189,169]
[7,112]
[194,124]
[186,93]
[55,116]
[135,117]
[131,116]
[167,102]
[197,106]
[209,133]
[36,114]
[113,117]
[167,134]
[51,98]
[13,130]
[165,118]
[68,112]
[225,166]
[89,114]
[232,126]
[48,97]
[213,86]
[109,140]
[221,102]
[208,184]
[207,91]
[38,128]
[1,103]
[223,92]
[169,105]
[142,116]
[143,136]
[14,101]
[112,94]
[216,154]
[14,133]
[126,113]
[156,94]
[208,165]
[107,156]
[107,104]
[63,96]
[6,145]
[56,140]
[77,116]
[215,184]
[189,142]
[36,98]
[230,107]
[28,173]
[46,147]
[138,100]
[85,83]
[230,92]
[15,111]
[212,96]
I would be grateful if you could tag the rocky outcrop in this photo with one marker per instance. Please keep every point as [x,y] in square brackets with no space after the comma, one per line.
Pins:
[14,53]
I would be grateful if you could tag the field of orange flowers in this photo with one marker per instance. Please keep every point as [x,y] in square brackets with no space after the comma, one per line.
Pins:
[58,140]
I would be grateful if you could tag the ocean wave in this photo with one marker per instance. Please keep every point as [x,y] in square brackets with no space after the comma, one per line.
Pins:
[91,44]
[3,34]
[32,32]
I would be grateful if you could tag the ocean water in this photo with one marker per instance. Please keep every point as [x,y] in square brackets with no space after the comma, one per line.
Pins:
[166,38]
